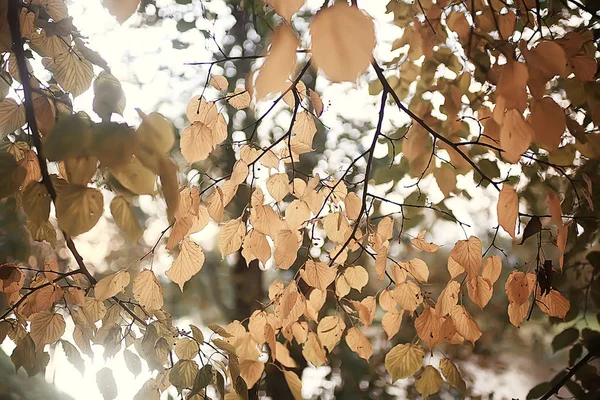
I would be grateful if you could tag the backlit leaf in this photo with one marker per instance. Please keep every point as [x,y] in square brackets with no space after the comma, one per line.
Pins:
[404,360]
[187,264]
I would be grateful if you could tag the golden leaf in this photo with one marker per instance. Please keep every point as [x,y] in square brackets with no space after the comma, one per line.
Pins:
[251,371]
[196,142]
[186,349]
[215,206]
[408,296]
[183,373]
[356,276]
[147,290]
[418,269]
[257,245]
[78,208]
[429,382]
[452,375]
[517,312]
[278,186]
[316,300]
[511,86]
[36,203]
[515,135]
[391,322]
[219,82]
[480,290]
[12,116]
[156,132]
[313,350]
[421,244]
[467,253]
[188,263]
[555,208]
[519,286]
[548,121]
[290,306]
[555,304]
[286,8]
[287,245]
[46,328]
[492,268]
[448,298]
[387,301]
[508,209]
[81,170]
[358,343]
[231,237]
[294,383]
[330,330]
[110,285]
[465,324]
[404,360]
[283,355]
[428,326]
[73,72]
[121,9]
[135,177]
[336,226]
[125,219]
[279,63]
[296,214]
[318,275]
[239,99]
[343,39]
[317,104]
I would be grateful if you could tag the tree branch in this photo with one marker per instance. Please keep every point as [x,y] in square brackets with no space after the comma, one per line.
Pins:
[554,390]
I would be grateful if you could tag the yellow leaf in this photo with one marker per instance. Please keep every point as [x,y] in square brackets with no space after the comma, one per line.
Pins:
[515,135]
[404,360]
[418,269]
[135,177]
[257,245]
[467,253]
[313,350]
[408,296]
[12,116]
[183,373]
[548,121]
[508,209]
[231,237]
[452,375]
[316,300]
[428,326]
[286,8]
[279,63]
[519,286]
[336,226]
[156,131]
[46,328]
[317,104]
[429,382]
[421,244]
[287,245]
[73,72]
[283,354]
[352,204]
[196,142]
[110,285]
[343,39]
[78,208]
[465,324]
[147,290]
[318,275]
[121,9]
[125,219]
[358,343]
[391,322]
[356,276]
[296,214]
[251,371]
[480,290]
[239,99]
[492,268]
[219,82]
[555,304]
[36,203]
[454,268]
[278,186]
[555,208]
[186,349]
[188,263]
[290,306]
[517,312]
[448,298]
[294,383]
[330,330]
[215,206]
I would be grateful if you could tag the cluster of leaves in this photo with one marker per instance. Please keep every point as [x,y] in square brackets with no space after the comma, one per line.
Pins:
[528,93]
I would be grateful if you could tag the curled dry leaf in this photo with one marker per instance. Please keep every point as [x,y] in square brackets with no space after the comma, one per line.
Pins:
[343,39]
[421,244]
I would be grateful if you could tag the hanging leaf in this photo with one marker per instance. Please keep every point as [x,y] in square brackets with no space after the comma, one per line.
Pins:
[231,237]
[147,290]
[359,343]
[188,263]
[429,382]
[404,360]
[12,116]
[125,219]
[106,383]
[78,208]
[508,209]
[73,72]
[343,39]
[46,328]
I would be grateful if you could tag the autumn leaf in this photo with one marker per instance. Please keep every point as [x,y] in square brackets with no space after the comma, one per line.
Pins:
[110,285]
[318,275]
[343,39]
[147,290]
[46,328]
[404,360]
[187,264]
[508,209]
[467,253]
[452,375]
[231,236]
[358,343]
[429,382]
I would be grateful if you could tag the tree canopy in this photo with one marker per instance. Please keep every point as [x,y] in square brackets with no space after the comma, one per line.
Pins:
[334,229]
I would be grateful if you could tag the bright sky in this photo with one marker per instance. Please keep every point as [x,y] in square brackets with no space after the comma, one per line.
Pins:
[155,78]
